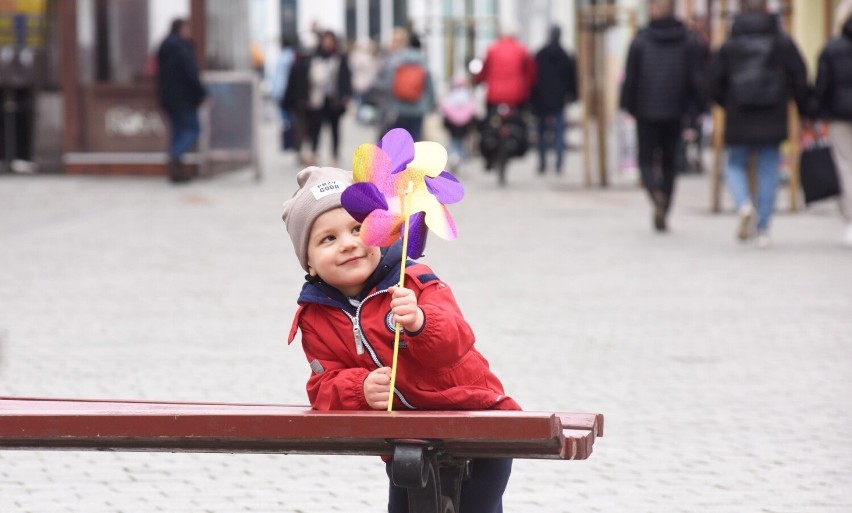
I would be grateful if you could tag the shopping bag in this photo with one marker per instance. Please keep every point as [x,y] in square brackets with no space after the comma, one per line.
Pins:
[817,171]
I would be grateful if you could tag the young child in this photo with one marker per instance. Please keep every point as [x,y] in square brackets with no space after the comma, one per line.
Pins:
[458,109]
[347,314]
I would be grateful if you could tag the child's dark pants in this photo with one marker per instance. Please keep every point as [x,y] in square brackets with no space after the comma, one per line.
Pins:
[482,493]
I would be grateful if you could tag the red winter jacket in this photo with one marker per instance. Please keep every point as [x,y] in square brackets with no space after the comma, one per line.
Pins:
[437,368]
[509,72]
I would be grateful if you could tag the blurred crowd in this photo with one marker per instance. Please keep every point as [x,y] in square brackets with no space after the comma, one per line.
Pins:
[671,80]
[394,88]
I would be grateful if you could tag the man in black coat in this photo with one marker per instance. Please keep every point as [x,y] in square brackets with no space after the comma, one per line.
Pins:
[834,102]
[555,86]
[662,83]
[180,93]
[754,74]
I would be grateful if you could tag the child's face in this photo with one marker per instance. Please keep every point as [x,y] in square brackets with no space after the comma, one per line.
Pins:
[337,255]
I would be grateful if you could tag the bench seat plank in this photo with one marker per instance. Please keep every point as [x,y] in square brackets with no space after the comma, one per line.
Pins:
[73,424]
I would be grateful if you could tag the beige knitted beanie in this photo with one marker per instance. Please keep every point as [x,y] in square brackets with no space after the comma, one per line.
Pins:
[319,191]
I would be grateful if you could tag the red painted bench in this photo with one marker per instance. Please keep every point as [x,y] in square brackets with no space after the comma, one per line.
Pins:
[430,449]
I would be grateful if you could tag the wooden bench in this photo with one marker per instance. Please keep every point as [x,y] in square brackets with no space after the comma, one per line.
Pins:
[430,449]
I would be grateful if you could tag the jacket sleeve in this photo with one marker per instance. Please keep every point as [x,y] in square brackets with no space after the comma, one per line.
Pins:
[445,336]
[191,75]
[333,385]
[627,101]
[797,75]
[823,86]
[718,83]
[344,78]
[572,94]
[532,73]
[298,86]
[384,77]
[698,59]
[431,102]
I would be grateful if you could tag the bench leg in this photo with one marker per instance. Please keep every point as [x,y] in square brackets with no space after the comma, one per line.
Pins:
[432,487]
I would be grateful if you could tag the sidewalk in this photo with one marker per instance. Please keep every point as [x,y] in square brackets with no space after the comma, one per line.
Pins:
[723,370]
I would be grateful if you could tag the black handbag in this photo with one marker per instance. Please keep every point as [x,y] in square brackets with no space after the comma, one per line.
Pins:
[817,171]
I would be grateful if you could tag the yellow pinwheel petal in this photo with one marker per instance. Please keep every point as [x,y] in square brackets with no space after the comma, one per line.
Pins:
[430,158]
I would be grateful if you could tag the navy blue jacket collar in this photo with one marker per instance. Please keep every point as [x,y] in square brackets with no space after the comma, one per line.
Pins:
[385,275]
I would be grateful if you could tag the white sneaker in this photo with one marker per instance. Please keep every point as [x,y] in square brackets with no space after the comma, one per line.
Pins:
[746,226]
[763,241]
[847,238]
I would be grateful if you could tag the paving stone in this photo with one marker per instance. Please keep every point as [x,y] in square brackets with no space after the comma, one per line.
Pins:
[723,371]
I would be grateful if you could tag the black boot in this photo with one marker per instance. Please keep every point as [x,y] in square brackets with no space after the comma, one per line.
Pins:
[660,211]
[177,172]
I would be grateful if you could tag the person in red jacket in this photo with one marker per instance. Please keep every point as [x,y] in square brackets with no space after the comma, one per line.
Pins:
[347,313]
[509,71]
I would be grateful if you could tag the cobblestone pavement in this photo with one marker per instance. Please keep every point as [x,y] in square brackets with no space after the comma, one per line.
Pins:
[724,371]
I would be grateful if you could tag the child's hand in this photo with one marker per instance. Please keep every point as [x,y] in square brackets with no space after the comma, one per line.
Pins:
[377,388]
[405,309]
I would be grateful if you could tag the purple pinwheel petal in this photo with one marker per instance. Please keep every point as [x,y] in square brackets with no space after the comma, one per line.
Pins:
[359,199]
[399,146]
[445,187]
[417,235]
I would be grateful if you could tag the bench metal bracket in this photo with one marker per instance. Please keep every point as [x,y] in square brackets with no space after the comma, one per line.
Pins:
[433,481]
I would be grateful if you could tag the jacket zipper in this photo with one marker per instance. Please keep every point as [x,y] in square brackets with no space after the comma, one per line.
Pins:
[361,341]
[356,322]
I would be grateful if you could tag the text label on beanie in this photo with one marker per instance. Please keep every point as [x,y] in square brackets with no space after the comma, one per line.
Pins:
[325,188]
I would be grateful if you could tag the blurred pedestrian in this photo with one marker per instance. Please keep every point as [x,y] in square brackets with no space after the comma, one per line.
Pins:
[662,80]
[555,87]
[180,93]
[754,74]
[405,87]
[258,59]
[834,95]
[295,100]
[278,88]
[321,84]
[458,109]
[364,66]
[508,71]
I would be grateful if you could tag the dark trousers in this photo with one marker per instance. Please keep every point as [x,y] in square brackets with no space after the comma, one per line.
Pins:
[550,125]
[482,493]
[185,131]
[316,118]
[659,138]
[17,115]
[413,124]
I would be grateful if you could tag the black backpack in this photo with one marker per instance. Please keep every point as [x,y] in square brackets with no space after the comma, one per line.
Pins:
[757,79]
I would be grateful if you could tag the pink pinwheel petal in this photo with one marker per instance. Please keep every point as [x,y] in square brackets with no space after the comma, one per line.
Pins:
[381,228]
[417,232]
[368,162]
[446,188]
[359,199]
[399,146]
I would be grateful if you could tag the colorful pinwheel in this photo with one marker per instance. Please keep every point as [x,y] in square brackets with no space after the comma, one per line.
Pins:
[400,190]
[383,173]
